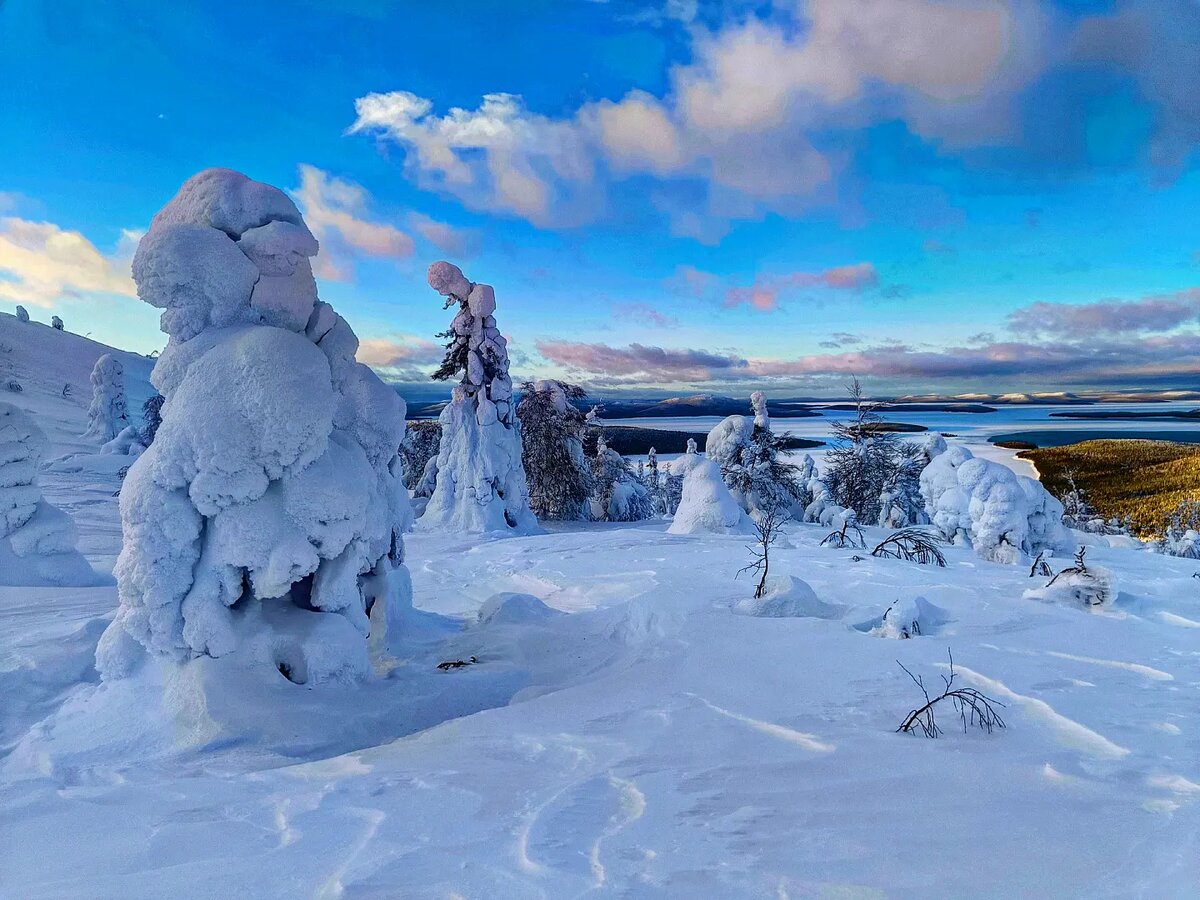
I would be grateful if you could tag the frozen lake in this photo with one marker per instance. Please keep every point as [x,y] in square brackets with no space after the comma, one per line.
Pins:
[977,429]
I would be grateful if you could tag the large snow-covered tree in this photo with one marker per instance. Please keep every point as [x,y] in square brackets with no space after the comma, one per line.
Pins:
[706,505]
[481,484]
[37,540]
[265,522]
[619,495]
[751,461]
[552,430]
[106,413]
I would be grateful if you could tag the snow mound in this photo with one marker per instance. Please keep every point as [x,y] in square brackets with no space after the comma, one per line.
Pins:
[707,505]
[786,596]
[265,521]
[986,505]
[509,608]
[1091,588]
[37,540]
[906,618]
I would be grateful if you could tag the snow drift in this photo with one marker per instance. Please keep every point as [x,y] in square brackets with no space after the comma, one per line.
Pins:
[265,521]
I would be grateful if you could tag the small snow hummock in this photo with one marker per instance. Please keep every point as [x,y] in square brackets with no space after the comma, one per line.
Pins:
[37,540]
[706,504]
[787,597]
[909,617]
[480,484]
[986,505]
[265,522]
[106,413]
[22,314]
[1081,584]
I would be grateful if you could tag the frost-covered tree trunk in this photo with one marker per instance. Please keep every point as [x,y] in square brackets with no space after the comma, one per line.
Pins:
[106,413]
[22,314]
[264,525]
[481,484]
[552,429]
[37,540]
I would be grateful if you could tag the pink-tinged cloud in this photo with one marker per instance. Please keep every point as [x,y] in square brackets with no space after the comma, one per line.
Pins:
[1149,314]
[644,314]
[639,360]
[764,294]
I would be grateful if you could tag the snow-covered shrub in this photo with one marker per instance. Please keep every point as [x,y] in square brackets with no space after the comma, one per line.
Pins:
[706,504]
[37,540]
[786,597]
[749,455]
[618,494]
[1079,584]
[909,617]
[265,522]
[982,503]
[56,323]
[106,414]
[22,314]
[481,483]
[559,475]
[420,445]
[151,418]
[1181,533]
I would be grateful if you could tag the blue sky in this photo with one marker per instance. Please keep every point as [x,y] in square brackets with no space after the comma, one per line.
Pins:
[936,195]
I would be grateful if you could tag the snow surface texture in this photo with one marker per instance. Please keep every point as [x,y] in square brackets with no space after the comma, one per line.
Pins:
[106,414]
[480,484]
[707,505]
[37,541]
[1004,516]
[265,521]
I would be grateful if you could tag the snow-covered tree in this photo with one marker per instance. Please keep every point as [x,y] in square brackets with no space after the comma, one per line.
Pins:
[56,323]
[619,496]
[1181,532]
[751,461]
[264,524]
[22,314]
[1078,512]
[106,414]
[989,507]
[419,447]
[481,484]
[552,428]
[706,505]
[37,540]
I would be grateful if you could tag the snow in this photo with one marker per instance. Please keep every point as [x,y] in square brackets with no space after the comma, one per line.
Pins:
[1004,516]
[706,505]
[625,731]
[265,520]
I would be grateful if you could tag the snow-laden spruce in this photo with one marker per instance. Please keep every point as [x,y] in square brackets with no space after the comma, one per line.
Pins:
[1002,515]
[620,496]
[37,540]
[706,504]
[552,428]
[106,413]
[56,323]
[749,455]
[22,314]
[480,477]
[265,522]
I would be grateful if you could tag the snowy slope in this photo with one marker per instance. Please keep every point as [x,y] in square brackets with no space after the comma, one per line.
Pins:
[633,737]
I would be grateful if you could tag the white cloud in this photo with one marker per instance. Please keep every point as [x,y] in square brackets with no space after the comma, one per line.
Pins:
[336,211]
[41,264]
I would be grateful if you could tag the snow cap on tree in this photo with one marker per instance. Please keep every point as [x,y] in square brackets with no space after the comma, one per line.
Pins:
[22,314]
[37,540]
[273,483]
[758,402]
[106,413]
[481,484]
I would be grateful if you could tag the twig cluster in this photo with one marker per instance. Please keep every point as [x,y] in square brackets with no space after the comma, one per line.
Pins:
[767,526]
[973,707]
[913,545]
[1080,567]
[843,538]
[1041,567]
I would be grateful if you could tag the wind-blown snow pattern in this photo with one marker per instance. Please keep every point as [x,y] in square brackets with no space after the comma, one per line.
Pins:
[481,485]
[37,540]
[985,504]
[266,519]
[106,414]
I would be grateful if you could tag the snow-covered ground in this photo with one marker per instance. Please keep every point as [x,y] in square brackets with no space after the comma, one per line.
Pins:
[628,735]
